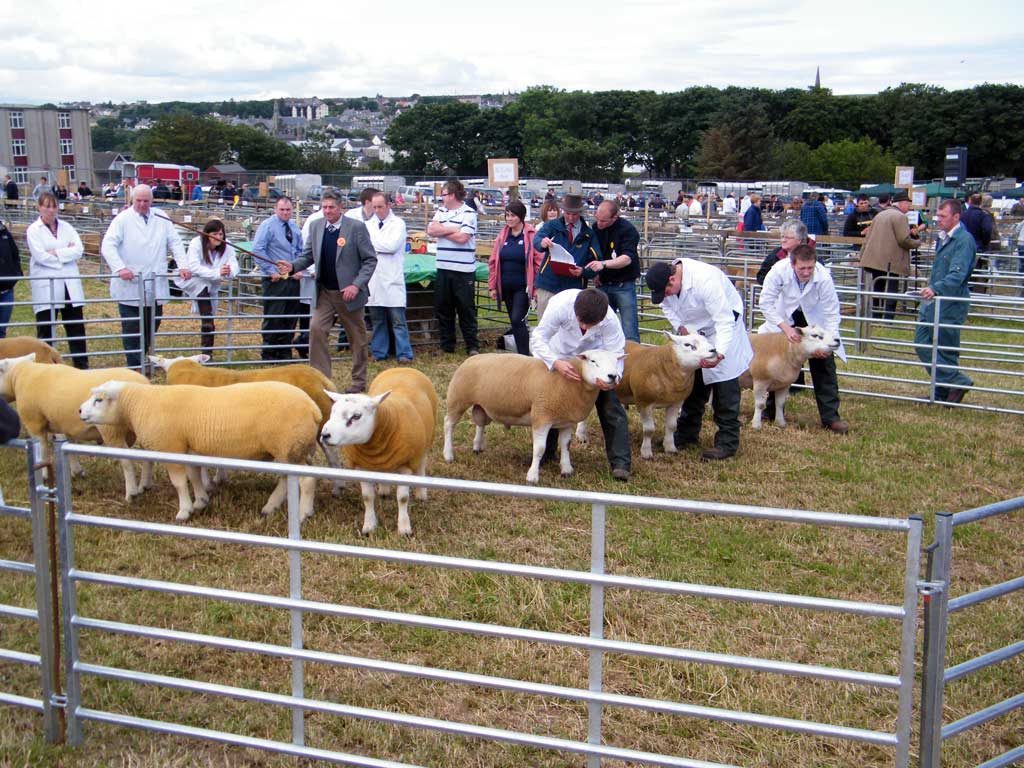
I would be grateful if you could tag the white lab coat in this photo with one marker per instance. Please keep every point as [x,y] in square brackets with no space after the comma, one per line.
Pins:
[782,294]
[558,335]
[132,243]
[708,304]
[695,209]
[205,275]
[387,284]
[729,206]
[62,267]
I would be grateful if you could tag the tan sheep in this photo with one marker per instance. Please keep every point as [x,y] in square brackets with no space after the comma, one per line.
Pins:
[258,421]
[190,370]
[520,391]
[48,397]
[19,346]
[389,429]
[777,363]
[662,377]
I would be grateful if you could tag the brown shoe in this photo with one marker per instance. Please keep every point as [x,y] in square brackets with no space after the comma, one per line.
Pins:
[956,396]
[840,427]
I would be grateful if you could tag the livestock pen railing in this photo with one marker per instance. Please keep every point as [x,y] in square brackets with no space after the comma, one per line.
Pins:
[41,652]
[940,605]
[85,703]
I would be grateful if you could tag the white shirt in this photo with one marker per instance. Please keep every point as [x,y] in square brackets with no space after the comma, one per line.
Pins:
[451,255]
[133,243]
[558,335]
[387,284]
[206,275]
[357,214]
[695,209]
[729,205]
[62,267]
[708,303]
[782,294]
[745,202]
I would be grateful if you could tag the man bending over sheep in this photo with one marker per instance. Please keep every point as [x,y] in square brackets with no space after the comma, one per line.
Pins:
[577,321]
[801,283]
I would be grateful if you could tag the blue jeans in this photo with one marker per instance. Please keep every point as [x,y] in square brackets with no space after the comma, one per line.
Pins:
[622,298]
[130,331]
[6,310]
[380,342]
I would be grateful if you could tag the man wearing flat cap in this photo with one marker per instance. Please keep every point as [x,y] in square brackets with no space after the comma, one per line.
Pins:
[699,298]
[573,233]
[885,257]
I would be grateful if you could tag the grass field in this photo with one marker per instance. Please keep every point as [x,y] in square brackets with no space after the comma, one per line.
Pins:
[899,459]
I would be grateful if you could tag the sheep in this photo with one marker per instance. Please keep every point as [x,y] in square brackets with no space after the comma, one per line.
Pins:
[777,363]
[48,398]
[662,377]
[515,390]
[19,346]
[257,421]
[190,370]
[389,429]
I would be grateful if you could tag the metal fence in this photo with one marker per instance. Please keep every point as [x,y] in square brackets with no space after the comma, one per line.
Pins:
[75,573]
[43,655]
[940,605]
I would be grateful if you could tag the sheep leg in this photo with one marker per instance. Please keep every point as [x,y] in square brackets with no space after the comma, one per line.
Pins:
[146,475]
[384,489]
[647,421]
[74,467]
[402,495]
[671,415]
[277,497]
[780,404]
[450,420]
[581,433]
[481,419]
[131,490]
[540,439]
[307,494]
[760,401]
[202,498]
[369,512]
[179,480]
[421,493]
[564,436]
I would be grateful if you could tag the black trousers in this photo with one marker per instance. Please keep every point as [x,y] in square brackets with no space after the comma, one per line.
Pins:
[517,303]
[725,404]
[887,282]
[130,331]
[280,306]
[71,318]
[455,294]
[206,327]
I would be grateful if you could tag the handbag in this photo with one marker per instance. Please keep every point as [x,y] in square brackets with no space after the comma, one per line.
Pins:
[10,260]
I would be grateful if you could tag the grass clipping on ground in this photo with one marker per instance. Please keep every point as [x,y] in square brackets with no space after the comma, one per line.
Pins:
[899,459]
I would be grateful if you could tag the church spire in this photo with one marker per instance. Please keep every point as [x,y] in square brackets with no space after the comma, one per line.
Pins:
[817,78]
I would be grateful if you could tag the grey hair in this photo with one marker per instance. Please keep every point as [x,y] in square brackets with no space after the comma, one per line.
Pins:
[331,193]
[795,228]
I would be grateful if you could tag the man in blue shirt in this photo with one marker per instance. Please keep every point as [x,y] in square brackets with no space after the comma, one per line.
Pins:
[279,239]
[814,216]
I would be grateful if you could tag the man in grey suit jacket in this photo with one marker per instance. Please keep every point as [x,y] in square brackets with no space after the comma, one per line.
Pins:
[342,284]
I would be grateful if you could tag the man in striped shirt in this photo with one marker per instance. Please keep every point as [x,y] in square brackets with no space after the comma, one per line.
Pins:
[454,226]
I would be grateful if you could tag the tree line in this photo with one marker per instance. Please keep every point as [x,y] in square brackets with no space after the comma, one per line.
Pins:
[731,133]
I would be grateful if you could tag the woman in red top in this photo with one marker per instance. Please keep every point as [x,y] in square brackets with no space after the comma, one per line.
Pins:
[512,268]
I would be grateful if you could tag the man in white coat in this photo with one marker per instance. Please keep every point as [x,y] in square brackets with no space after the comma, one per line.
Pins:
[699,298]
[387,285]
[135,248]
[797,292]
[576,321]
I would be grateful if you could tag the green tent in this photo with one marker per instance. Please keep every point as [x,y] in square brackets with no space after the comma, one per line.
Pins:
[1013,194]
[934,189]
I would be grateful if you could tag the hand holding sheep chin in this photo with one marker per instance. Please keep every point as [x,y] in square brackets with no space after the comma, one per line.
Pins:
[791,333]
[712,363]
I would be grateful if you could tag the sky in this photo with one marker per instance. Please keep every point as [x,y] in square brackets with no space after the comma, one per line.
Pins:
[252,49]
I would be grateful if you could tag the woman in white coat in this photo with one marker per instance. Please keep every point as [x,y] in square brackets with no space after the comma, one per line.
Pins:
[209,259]
[55,248]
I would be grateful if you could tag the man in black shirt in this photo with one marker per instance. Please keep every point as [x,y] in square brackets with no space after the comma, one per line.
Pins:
[856,223]
[618,266]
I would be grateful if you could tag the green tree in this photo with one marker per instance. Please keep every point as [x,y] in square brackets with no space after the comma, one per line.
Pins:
[257,150]
[739,145]
[316,155]
[849,163]
[183,138]
[109,136]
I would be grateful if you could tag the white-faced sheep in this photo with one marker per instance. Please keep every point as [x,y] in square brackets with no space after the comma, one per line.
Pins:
[662,377]
[520,391]
[258,421]
[48,397]
[19,346]
[777,363]
[190,370]
[389,429]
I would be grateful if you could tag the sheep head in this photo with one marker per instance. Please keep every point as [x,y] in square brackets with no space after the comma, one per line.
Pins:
[691,349]
[101,405]
[816,339]
[6,366]
[601,366]
[353,418]
[167,362]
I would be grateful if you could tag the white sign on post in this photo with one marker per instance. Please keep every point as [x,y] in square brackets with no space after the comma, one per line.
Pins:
[503,172]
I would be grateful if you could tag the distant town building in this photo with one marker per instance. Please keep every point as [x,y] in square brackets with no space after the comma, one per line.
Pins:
[310,109]
[41,141]
[107,165]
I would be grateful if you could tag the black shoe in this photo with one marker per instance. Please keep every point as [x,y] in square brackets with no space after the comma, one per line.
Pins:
[621,474]
[956,396]
[683,442]
[716,454]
